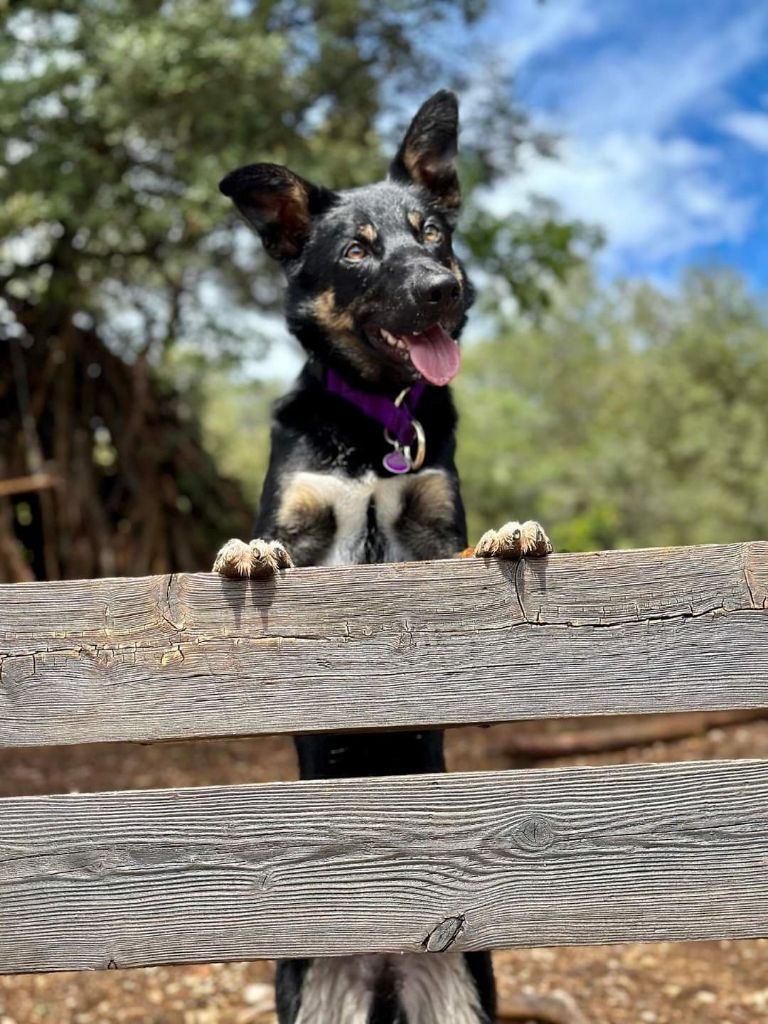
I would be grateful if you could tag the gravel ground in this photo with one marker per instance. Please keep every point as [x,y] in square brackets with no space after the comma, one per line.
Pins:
[663,983]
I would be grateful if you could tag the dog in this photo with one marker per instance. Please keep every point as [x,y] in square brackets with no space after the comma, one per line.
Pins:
[362,471]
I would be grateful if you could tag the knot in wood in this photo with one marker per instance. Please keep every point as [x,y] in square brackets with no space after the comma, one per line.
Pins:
[536,832]
[16,669]
[445,934]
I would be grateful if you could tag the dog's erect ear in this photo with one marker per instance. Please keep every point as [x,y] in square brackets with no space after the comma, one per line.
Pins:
[278,204]
[427,154]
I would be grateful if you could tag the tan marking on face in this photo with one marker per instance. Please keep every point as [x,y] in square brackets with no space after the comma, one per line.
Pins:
[366,364]
[455,269]
[368,232]
[416,220]
[329,316]
[339,324]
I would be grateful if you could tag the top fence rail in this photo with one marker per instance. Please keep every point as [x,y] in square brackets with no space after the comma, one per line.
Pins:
[385,646]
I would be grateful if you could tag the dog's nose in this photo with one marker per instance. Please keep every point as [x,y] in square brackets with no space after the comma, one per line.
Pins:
[437,289]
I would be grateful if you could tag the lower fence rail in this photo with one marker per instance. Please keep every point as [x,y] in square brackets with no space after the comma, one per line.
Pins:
[419,863]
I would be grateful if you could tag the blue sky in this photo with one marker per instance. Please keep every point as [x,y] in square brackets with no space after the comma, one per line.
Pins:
[662,109]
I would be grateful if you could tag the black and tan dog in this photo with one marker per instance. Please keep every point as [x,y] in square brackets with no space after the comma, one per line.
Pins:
[362,470]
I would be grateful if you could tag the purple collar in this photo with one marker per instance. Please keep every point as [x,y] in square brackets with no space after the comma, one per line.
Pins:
[401,428]
[397,419]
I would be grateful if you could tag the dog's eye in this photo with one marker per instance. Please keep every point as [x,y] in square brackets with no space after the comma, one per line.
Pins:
[432,234]
[354,252]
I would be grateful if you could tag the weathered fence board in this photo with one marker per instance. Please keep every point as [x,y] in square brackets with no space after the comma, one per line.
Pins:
[481,860]
[403,645]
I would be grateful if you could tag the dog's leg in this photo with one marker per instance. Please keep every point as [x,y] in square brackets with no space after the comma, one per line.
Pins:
[256,560]
[513,541]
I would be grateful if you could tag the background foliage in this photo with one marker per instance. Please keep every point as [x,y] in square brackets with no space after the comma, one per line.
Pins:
[626,417]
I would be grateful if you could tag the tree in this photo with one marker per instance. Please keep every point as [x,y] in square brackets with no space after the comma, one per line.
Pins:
[627,417]
[120,118]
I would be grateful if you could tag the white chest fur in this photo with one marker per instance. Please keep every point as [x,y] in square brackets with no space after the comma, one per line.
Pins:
[352,499]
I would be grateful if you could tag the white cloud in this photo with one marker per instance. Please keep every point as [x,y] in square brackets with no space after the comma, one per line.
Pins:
[628,107]
[648,83]
[530,30]
[749,126]
[653,198]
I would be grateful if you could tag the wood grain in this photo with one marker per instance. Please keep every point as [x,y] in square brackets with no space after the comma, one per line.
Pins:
[466,861]
[386,646]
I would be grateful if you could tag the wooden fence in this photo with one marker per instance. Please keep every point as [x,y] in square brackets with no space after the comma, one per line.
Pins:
[461,861]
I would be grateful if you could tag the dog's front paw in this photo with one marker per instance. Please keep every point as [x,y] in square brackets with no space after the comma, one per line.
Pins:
[257,560]
[514,540]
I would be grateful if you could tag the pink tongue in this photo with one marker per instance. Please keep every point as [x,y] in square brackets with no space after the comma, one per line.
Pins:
[435,354]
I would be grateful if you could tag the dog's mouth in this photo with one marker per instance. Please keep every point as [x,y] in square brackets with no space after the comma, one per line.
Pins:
[433,352]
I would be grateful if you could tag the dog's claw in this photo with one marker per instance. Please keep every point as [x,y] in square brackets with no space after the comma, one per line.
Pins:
[513,541]
[267,557]
[233,559]
[257,560]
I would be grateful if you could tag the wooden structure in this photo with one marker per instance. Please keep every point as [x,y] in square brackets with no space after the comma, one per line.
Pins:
[461,861]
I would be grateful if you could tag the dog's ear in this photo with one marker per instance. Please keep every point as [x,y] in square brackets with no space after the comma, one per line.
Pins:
[278,204]
[427,154]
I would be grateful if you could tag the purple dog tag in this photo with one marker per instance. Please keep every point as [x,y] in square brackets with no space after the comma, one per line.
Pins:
[397,462]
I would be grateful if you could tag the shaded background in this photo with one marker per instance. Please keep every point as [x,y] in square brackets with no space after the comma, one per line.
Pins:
[615,377]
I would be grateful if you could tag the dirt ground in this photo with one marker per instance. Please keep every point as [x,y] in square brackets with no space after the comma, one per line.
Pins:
[664,983]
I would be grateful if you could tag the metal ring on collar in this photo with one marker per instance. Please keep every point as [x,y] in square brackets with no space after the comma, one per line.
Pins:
[421,445]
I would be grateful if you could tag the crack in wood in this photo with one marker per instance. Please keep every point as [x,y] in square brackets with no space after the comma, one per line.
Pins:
[171,609]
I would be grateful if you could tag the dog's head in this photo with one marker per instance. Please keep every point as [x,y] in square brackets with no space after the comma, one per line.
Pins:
[374,288]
